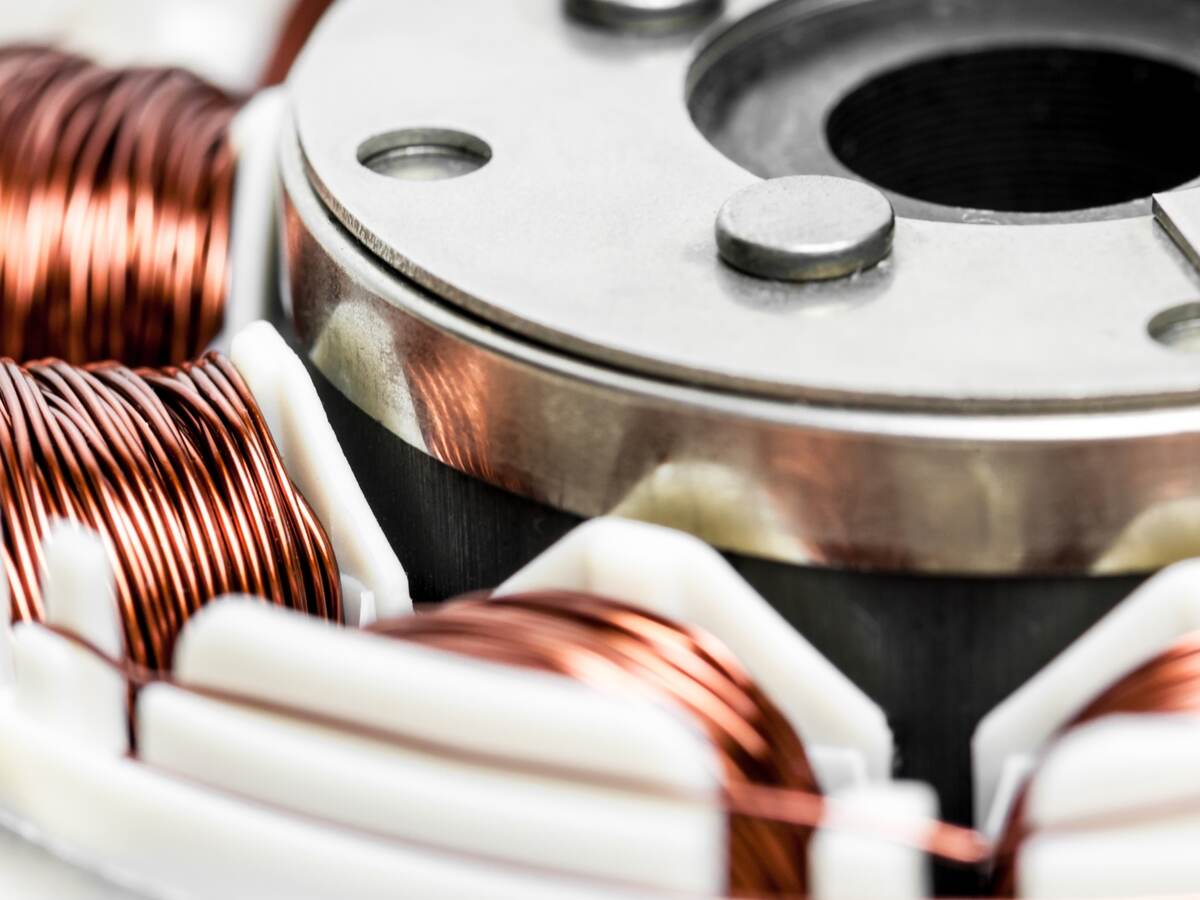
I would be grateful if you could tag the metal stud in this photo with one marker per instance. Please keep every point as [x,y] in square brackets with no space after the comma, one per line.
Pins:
[644,15]
[805,228]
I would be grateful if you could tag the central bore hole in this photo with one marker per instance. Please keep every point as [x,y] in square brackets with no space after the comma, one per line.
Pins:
[1035,129]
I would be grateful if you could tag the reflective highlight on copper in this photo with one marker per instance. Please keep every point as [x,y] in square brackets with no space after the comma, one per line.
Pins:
[177,472]
[115,201]
[301,20]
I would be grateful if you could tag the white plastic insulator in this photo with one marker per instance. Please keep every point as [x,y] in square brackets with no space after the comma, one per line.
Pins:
[1159,612]
[1115,811]
[848,863]
[77,587]
[170,838]
[682,578]
[458,805]
[1157,859]
[59,683]
[255,134]
[252,649]
[315,462]
[1123,768]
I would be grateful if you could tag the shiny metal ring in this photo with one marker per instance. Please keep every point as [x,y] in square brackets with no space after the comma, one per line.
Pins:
[556,319]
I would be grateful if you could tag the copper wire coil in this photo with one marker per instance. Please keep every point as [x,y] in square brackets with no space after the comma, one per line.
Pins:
[1168,683]
[115,204]
[620,648]
[794,807]
[770,791]
[177,472]
[649,657]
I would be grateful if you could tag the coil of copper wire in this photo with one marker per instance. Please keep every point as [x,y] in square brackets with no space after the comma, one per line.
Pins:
[115,203]
[772,794]
[176,471]
[621,648]
[1168,683]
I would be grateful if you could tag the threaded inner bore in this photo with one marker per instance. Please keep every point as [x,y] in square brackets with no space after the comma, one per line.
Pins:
[1030,129]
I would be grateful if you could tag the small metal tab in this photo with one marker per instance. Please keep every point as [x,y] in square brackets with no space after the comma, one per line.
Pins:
[1179,213]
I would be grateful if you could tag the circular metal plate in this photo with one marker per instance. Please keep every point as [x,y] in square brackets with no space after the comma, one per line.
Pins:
[1105,492]
[591,229]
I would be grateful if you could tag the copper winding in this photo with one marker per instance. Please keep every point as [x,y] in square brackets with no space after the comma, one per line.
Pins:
[720,694]
[177,472]
[1168,683]
[115,204]
[620,648]
[115,207]
[300,21]
[771,793]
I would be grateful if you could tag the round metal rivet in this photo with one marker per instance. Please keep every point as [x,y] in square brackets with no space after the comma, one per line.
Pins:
[805,228]
[643,15]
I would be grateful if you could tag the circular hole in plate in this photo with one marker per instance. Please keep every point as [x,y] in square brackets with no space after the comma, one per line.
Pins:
[1178,327]
[1021,129]
[424,154]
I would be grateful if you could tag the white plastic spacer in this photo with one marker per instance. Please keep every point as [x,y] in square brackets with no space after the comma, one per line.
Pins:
[272,654]
[523,741]
[681,577]
[1162,610]
[459,805]
[142,827]
[252,286]
[847,864]
[59,683]
[314,460]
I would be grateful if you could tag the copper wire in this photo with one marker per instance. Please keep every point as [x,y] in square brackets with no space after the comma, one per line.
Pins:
[115,204]
[771,792]
[1168,683]
[640,636]
[301,20]
[810,811]
[177,472]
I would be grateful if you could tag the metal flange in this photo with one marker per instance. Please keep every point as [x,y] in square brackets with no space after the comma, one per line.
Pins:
[559,320]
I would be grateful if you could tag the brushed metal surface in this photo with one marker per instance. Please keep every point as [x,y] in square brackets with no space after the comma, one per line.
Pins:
[591,228]
[855,489]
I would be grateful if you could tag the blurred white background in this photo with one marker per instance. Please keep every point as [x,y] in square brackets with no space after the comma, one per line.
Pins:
[226,41]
